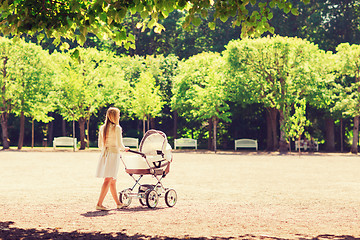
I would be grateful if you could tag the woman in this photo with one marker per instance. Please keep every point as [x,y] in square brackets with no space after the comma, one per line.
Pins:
[110,142]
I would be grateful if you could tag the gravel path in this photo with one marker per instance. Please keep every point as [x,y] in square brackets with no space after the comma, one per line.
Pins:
[52,194]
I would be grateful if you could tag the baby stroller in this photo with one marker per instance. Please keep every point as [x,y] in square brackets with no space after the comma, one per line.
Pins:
[154,158]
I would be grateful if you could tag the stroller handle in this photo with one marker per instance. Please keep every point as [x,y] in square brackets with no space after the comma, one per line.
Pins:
[137,152]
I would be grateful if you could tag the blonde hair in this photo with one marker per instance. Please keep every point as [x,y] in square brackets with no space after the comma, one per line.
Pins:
[112,117]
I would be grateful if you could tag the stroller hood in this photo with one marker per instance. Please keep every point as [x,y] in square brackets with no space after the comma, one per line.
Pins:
[155,143]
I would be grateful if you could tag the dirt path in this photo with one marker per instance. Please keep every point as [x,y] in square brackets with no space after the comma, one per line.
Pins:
[53,194]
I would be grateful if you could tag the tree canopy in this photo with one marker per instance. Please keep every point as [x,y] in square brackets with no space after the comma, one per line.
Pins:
[276,71]
[75,19]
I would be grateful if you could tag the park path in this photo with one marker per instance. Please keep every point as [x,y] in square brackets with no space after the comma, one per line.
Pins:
[221,195]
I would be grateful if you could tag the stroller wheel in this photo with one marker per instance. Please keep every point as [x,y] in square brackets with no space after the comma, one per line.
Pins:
[152,198]
[125,198]
[170,197]
[142,201]
[141,193]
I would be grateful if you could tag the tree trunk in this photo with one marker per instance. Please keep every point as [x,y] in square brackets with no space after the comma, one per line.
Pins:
[354,147]
[74,132]
[50,134]
[272,138]
[269,138]
[152,123]
[4,131]
[210,140]
[329,135]
[22,127]
[82,133]
[274,113]
[283,146]
[63,127]
[215,120]
[175,124]
[5,110]
[148,122]
[341,135]
[144,126]
[88,132]
[32,133]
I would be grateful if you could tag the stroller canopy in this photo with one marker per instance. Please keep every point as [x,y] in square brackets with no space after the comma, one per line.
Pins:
[155,143]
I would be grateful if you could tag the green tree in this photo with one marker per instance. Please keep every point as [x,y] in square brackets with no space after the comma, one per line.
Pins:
[275,71]
[31,73]
[7,90]
[200,92]
[164,70]
[75,19]
[78,86]
[345,97]
[146,102]
[326,23]
[295,126]
[349,65]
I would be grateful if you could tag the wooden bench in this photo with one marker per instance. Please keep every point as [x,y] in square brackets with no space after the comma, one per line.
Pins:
[246,143]
[185,142]
[306,145]
[131,142]
[64,141]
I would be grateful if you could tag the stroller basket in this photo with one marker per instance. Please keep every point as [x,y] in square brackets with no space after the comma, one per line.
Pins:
[153,158]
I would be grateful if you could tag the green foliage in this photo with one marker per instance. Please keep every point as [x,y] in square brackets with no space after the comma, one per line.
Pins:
[295,124]
[146,102]
[200,90]
[75,19]
[7,86]
[347,95]
[31,72]
[84,86]
[276,71]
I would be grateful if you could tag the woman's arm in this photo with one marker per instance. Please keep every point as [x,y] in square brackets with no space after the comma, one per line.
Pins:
[101,138]
[119,140]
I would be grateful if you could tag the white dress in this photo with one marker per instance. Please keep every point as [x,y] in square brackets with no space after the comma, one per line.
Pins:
[109,160]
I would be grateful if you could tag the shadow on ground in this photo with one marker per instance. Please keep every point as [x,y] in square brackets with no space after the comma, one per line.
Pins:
[110,212]
[8,232]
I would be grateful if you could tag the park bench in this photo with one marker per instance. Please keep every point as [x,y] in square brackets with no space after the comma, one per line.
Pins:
[246,143]
[185,142]
[64,141]
[131,142]
[306,145]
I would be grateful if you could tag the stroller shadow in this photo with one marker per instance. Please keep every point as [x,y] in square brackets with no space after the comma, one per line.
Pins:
[141,209]
[8,232]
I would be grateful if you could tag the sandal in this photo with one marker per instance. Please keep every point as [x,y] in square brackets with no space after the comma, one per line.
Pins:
[101,208]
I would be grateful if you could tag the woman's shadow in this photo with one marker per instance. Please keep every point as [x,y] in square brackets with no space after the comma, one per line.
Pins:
[113,211]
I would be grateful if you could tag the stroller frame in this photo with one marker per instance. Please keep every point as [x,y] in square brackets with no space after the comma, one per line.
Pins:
[149,194]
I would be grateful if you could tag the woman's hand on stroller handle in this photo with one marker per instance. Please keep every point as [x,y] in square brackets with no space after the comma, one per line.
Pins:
[140,153]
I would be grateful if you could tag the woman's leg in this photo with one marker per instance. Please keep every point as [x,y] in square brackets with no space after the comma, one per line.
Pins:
[104,190]
[113,191]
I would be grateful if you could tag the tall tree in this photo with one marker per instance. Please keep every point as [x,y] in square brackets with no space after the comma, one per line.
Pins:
[146,102]
[7,89]
[349,64]
[164,70]
[200,91]
[276,70]
[78,87]
[29,67]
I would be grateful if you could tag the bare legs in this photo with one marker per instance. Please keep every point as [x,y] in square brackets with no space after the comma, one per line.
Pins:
[108,183]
